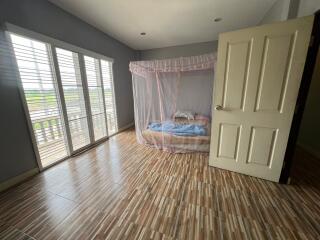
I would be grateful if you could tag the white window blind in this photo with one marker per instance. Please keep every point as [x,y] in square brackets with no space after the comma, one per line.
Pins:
[96,97]
[40,89]
[70,75]
[110,105]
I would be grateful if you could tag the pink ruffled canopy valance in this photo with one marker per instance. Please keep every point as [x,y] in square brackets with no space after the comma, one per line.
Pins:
[182,64]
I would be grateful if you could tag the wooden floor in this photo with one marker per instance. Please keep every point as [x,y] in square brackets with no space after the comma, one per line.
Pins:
[122,190]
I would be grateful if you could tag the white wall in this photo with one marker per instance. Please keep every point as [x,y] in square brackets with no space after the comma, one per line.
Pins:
[278,12]
[287,9]
[308,7]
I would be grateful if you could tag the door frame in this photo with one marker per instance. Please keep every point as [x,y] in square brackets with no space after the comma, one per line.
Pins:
[302,98]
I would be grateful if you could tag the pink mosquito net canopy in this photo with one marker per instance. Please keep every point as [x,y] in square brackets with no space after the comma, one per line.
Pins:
[172,102]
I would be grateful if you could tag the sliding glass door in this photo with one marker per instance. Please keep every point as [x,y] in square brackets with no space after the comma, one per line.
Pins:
[97,104]
[109,96]
[42,98]
[73,92]
[69,98]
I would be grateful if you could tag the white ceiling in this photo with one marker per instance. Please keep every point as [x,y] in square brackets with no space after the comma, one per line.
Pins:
[166,22]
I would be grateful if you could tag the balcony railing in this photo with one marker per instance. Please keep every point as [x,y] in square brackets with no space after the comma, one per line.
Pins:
[49,132]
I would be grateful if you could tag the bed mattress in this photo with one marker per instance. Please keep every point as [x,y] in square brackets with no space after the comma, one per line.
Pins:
[153,136]
[169,141]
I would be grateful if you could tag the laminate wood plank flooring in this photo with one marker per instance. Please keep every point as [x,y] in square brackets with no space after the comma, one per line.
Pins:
[124,190]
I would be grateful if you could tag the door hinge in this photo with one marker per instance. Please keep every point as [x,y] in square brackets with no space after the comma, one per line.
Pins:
[311,41]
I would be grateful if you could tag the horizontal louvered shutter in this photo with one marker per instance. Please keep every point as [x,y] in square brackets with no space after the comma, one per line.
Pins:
[70,75]
[96,97]
[108,86]
[69,97]
[40,89]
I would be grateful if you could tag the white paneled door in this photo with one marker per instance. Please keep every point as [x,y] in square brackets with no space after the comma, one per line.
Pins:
[256,87]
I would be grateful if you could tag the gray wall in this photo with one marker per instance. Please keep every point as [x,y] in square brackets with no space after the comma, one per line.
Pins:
[17,154]
[310,129]
[179,51]
[41,16]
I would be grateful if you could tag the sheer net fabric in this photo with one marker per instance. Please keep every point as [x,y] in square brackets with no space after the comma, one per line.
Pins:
[172,102]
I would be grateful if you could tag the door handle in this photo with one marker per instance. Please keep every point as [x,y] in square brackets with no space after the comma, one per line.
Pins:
[218,108]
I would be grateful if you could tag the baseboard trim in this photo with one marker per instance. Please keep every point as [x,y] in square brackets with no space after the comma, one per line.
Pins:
[310,150]
[123,129]
[126,127]
[17,179]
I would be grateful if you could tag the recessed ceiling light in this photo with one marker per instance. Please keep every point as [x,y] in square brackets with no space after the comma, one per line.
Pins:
[143,33]
[217,19]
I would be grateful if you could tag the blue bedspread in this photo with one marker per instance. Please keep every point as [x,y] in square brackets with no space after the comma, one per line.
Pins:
[179,129]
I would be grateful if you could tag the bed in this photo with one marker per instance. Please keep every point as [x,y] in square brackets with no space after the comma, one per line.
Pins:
[163,90]
[198,140]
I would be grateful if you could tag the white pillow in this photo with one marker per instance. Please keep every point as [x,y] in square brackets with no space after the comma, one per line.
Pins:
[184,114]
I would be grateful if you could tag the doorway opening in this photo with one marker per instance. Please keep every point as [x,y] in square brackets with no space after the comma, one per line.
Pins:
[303,141]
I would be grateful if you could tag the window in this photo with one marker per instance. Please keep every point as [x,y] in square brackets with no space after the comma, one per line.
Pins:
[71,80]
[107,79]
[96,97]
[40,89]
[69,96]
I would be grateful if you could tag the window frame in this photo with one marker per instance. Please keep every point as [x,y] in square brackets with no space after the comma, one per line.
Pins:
[52,45]
[114,97]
